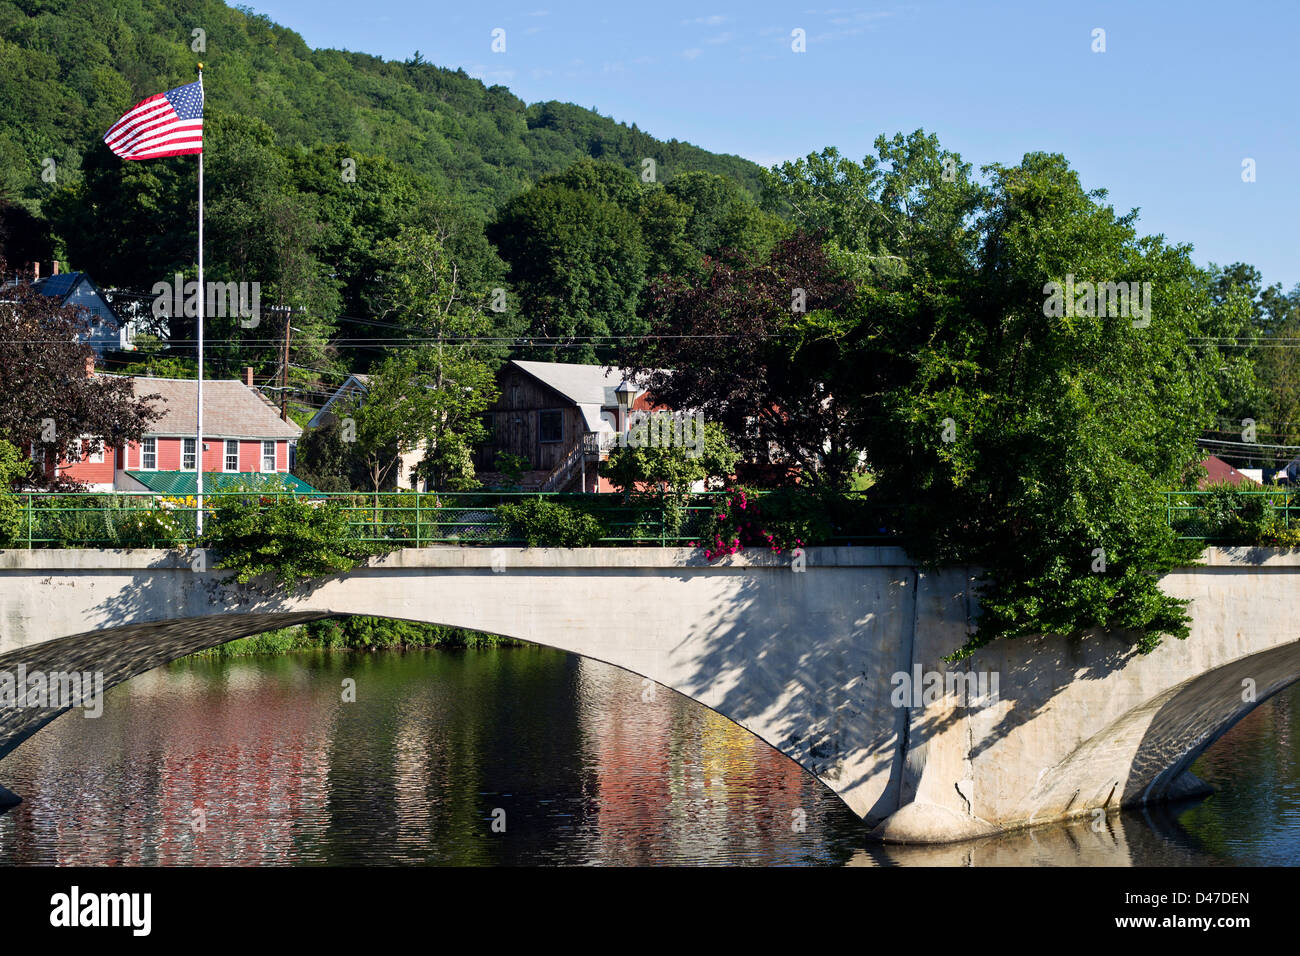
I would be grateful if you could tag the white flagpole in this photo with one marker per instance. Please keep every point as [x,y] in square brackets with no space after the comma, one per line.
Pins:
[198,434]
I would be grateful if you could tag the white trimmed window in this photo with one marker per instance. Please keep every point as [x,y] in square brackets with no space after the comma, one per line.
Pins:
[268,456]
[232,455]
[149,454]
[189,458]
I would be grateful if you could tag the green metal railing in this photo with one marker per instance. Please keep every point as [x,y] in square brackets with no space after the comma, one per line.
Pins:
[399,519]
[411,519]
[1214,516]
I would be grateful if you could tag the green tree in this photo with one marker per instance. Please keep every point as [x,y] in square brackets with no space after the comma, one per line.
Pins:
[722,217]
[1270,397]
[1033,443]
[670,466]
[447,383]
[384,423]
[576,262]
[329,461]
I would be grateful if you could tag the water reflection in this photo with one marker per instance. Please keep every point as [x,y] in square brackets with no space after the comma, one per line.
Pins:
[260,761]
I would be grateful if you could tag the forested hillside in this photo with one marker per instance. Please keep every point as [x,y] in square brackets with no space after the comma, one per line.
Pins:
[314,159]
[69,68]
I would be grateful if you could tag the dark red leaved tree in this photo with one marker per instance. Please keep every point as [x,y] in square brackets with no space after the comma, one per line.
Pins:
[48,402]
[756,347]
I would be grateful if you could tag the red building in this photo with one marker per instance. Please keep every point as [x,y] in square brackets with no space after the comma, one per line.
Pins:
[243,435]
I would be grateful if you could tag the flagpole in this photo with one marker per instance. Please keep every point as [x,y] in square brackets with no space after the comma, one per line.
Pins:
[198,434]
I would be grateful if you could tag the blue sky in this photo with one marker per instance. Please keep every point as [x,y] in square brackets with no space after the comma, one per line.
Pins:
[1163,119]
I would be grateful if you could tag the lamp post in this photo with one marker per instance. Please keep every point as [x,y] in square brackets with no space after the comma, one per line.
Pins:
[625,393]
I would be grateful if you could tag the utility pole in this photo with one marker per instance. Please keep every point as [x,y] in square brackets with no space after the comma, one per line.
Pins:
[284,372]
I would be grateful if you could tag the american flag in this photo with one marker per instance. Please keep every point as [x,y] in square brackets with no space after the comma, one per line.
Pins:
[166,124]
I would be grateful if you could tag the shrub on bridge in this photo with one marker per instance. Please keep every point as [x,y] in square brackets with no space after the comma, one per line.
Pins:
[779,522]
[12,467]
[1233,515]
[150,526]
[790,518]
[286,540]
[546,524]
[106,521]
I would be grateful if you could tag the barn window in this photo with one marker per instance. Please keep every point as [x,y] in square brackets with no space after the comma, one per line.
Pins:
[149,454]
[550,426]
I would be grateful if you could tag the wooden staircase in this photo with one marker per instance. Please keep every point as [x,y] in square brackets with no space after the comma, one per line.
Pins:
[568,471]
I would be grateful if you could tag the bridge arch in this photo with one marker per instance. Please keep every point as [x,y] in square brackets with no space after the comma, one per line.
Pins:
[123,653]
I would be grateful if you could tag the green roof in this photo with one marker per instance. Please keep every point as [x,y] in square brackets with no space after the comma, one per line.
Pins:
[184,483]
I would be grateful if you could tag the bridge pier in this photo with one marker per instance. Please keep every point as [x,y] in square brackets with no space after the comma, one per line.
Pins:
[839,666]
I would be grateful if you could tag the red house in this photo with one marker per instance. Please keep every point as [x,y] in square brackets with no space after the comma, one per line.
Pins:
[243,436]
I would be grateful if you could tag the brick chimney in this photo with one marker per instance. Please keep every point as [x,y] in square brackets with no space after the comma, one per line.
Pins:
[36,271]
[56,268]
[248,376]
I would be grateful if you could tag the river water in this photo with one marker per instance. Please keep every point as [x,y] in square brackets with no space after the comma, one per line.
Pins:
[523,755]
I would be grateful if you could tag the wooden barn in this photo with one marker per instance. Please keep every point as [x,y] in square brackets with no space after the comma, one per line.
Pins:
[562,418]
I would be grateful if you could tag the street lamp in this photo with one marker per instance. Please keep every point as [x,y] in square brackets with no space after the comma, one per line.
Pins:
[625,393]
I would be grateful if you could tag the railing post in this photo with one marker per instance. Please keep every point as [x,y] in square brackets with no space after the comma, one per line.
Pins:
[29,522]
[417,517]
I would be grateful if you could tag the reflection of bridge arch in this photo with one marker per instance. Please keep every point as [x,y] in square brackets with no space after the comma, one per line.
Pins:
[802,660]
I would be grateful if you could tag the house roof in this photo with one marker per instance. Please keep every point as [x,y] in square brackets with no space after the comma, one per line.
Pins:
[590,387]
[1219,472]
[62,285]
[184,482]
[356,382]
[230,409]
[581,384]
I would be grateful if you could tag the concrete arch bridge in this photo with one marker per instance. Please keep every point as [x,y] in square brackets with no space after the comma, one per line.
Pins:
[838,666]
